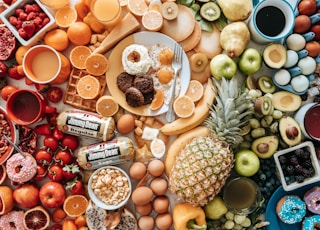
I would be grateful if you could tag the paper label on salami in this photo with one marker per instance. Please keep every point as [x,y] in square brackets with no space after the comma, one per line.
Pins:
[83,127]
[103,156]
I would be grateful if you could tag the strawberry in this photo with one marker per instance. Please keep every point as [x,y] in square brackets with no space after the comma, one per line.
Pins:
[42,88]
[43,129]
[29,27]
[75,187]
[8,2]
[70,171]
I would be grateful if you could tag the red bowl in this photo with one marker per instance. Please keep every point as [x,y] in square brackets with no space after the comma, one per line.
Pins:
[6,154]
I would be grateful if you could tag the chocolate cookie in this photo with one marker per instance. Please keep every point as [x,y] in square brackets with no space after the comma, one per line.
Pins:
[134,97]
[125,81]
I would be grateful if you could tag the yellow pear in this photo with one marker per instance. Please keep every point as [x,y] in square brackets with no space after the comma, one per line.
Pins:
[216,208]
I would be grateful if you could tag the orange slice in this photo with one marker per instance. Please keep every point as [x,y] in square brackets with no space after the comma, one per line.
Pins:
[137,7]
[97,64]
[75,205]
[56,4]
[66,16]
[152,20]
[88,87]
[36,218]
[195,90]
[157,101]
[183,106]
[78,56]
[107,106]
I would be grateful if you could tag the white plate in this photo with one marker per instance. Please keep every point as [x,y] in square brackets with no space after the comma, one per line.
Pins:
[147,39]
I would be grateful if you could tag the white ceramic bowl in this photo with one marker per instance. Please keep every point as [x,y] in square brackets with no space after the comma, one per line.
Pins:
[36,38]
[98,201]
[308,145]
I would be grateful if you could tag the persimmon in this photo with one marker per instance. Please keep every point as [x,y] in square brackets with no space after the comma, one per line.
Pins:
[80,221]
[69,224]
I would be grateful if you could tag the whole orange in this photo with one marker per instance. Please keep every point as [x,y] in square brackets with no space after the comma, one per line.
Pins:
[57,39]
[79,33]
[20,52]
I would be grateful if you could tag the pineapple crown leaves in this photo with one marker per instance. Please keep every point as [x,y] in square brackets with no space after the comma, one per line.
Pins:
[230,112]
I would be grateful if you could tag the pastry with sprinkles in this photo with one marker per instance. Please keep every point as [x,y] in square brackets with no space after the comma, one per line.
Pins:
[312,199]
[311,222]
[291,209]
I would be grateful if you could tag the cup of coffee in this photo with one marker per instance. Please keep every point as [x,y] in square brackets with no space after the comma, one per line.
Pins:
[42,64]
[242,195]
[308,117]
[26,107]
[271,21]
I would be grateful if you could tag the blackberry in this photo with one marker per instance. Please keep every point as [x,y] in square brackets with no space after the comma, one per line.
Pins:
[298,169]
[299,178]
[307,163]
[294,160]
[299,152]
[289,170]
[306,155]
[282,159]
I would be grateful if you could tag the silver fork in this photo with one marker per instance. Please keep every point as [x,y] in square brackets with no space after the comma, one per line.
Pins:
[176,65]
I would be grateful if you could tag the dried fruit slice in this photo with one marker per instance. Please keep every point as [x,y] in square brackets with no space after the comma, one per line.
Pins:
[78,56]
[137,7]
[36,218]
[157,101]
[195,90]
[97,64]
[152,20]
[107,106]
[65,16]
[183,106]
[88,87]
[75,205]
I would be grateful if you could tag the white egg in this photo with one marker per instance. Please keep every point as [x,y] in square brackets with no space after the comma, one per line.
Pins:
[295,42]
[307,65]
[300,83]
[292,58]
[282,77]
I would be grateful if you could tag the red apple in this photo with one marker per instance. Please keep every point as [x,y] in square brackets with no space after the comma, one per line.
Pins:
[52,195]
[26,195]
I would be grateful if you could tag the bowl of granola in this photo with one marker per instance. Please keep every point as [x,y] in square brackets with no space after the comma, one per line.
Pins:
[6,128]
[109,187]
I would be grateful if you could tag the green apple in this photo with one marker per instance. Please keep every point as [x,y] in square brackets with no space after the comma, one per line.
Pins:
[247,163]
[216,208]
[222,65]
[250,61]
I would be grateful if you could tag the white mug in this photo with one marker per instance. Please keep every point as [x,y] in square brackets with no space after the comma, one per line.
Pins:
[271,21]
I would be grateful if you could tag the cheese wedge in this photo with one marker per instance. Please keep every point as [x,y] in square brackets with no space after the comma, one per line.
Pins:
[128,25]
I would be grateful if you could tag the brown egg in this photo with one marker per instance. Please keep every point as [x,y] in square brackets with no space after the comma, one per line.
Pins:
[137,170]
[156,167]
[313,48]
[164,221]
[159,186]
[125,123]
[142,195]
[144,210]
[161,204]
[146,223]
[302,24]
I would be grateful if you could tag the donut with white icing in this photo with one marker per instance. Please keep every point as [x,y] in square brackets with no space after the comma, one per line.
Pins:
[311,222]
[291,209]
[312,199]
[136,59]
[21,169]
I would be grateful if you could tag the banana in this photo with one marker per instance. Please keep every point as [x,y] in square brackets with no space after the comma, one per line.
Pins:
[180,142]
[201,112]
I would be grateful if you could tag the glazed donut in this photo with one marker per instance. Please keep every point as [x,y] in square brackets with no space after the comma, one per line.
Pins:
[21,169]
[136,59]
[312,199]
[291,209]
[12,218]
[311,222]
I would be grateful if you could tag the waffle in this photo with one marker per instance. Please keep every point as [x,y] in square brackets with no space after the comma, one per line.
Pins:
[71,97]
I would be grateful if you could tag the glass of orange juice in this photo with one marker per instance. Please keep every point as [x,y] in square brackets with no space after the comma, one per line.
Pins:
[108,12]
[42,64]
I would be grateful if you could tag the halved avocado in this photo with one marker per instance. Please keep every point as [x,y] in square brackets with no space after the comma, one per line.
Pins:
[290,131]
[275,55]
[265,146]
[265,84]
[286,101]
[250,82]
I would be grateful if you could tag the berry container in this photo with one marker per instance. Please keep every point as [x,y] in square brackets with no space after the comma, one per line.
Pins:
[293,184]
[37,36]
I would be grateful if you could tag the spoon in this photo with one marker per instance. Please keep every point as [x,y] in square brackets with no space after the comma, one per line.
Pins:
[14,145]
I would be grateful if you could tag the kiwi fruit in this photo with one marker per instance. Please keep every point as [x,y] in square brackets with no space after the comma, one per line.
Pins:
[169,10]
[198,62]
[210,11]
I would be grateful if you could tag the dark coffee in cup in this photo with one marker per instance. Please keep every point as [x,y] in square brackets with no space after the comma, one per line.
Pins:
[270,20]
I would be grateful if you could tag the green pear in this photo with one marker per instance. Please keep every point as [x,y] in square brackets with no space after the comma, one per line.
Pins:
[216,208]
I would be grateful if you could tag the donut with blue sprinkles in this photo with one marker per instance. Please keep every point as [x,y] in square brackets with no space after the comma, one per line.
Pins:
[311,222]
[291,209]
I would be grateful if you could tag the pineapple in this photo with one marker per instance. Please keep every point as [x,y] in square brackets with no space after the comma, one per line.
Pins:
[203,166]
